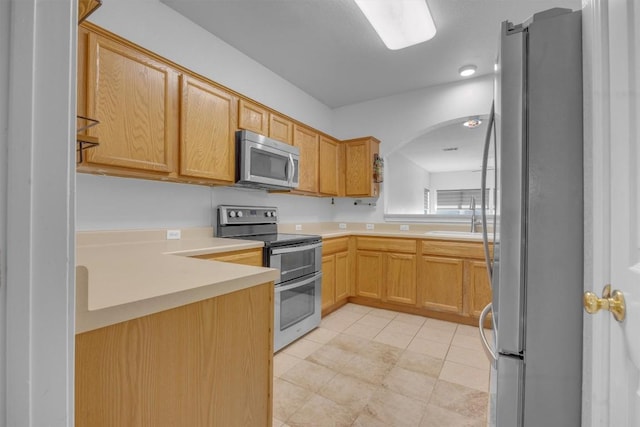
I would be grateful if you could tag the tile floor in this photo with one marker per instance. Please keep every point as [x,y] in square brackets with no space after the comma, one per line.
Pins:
[369,367]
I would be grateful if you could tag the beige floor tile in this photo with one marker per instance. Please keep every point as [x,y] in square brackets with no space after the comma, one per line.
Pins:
[395,409]
[332,357]
[364,331]
[421,363]
[309,375]
[282,362]
[460,399]
[321,335]
[436,416]
[277,423]
[428,332]
[301,348]
[348,391]
[411,318]
[319,411]
[335,323]
[287,398]
[348,342]
[409,383]
[393,338]
[355,308]
[467,376]
[366,420]
[467,341]
[428,347]
[380,352]
[381,312]
[398,327]
[373,320]
[441,324]
[365,369]
[470,357]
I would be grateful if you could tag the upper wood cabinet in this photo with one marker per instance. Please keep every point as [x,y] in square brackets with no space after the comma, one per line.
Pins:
[253,117]
[280,128]
[86,8]
[307,141]
[207,127]
[134,97]
[329,166]
[359,156]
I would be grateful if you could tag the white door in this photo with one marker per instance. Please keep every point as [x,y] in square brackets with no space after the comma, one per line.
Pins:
[612,349]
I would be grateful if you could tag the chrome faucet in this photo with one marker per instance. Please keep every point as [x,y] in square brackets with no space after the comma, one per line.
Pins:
[474,220]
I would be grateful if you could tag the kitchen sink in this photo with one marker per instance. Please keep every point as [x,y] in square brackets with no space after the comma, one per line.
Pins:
[467,235]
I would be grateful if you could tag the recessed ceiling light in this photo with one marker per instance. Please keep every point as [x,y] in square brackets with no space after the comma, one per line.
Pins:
[467,70]
[399,23]
[450,149]
[472,123]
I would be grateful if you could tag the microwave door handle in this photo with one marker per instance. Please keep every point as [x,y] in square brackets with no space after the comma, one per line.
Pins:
[291,171]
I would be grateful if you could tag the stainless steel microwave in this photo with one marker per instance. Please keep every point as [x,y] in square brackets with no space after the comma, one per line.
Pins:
[265,163]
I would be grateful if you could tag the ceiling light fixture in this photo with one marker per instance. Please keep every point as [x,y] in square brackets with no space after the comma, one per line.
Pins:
[472,123]
[450,149]
[467,70]
[399,23]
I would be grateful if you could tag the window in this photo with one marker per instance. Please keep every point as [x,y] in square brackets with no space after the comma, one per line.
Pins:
[459,201]
[426,201]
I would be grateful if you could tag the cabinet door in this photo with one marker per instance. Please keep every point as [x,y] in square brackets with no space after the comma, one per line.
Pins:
[329,162]
[479,288]
[328,281]
[342,276]
[307,141]
[207,126]
[400,278]
[441,283]
[280,128]
[369,274]
[359,155]
[245,257]
[253,117]
[135,99]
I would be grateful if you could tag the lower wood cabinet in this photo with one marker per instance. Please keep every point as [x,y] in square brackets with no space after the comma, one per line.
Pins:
[441,283]
[400,278]
[369,274]
[203,364]
[335,273]
[479,287]
[246,257]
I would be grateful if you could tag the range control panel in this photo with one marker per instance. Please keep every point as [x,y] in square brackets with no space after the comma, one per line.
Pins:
[230,215]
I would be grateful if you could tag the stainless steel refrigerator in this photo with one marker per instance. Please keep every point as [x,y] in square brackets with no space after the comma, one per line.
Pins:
[537,270]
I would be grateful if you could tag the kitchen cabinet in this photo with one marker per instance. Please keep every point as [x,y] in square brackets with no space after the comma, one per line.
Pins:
[329,161]
[246,256]
[207,131]
[135,98]
[306,140]
[359,157]
[441,283]
[479,288]
[256,118]
[386,269]
[280,128]
[86,8]
[335,273]
[205,363]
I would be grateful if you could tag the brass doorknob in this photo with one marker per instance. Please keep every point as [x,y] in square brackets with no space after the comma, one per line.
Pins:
[611,301]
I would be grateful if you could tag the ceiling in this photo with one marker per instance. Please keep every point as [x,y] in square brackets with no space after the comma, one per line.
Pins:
[328,49]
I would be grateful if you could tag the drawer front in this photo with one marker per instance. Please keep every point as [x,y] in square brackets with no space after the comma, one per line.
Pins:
[338,244]
[454,249]
[386,244]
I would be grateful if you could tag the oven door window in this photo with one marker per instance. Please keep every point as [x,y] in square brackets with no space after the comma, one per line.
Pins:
[295,264]
[268,165]
[296,304]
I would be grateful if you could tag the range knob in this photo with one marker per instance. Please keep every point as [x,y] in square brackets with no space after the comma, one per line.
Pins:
[232,214]
[240,214]
[273,214]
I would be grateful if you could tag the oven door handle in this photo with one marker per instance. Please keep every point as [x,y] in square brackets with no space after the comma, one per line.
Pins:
[295,249]
[298,284]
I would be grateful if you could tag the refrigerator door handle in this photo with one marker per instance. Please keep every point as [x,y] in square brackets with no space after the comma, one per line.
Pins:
[491,355]
[485,161]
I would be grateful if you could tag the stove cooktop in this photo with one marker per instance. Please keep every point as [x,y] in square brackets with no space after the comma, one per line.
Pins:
[281,239]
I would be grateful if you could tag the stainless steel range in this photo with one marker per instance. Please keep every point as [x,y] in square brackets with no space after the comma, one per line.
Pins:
[297,293]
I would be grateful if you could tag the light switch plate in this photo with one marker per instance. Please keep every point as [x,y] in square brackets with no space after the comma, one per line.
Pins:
[342,226]
[370,226]
[404,227]
[298,227]
[173,234]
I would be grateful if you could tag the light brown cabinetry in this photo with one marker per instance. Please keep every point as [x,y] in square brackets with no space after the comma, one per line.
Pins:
[207,126]
[329,166]
[306,140]
[203,364]
[479,287]
[359,156]
[280,128]
[335,273]
[441,284]
[259,119]
[134,96]
[246,256]
[386,269]
[86,8]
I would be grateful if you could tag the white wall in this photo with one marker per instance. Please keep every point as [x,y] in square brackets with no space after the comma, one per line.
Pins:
[405,184]
[4,98]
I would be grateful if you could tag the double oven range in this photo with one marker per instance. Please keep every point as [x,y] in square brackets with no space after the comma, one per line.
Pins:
[297,293]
